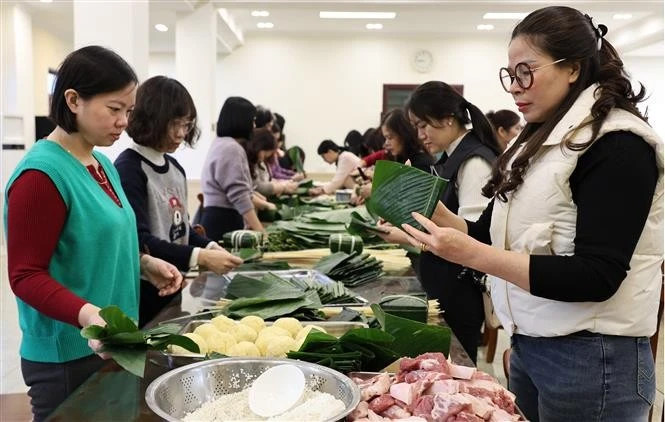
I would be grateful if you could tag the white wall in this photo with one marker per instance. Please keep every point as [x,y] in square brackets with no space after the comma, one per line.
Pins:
[326,87]
[48,52]
[650,72]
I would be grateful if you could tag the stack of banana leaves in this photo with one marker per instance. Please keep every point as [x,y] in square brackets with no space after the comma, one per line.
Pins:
[313,230]
[351,269]
[271,296]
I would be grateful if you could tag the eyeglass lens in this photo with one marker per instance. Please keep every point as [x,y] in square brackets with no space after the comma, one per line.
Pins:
[523,74]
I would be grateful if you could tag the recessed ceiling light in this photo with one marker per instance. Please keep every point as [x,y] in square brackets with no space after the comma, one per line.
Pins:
[357,15]
[46,1]
[501,15]
[485,27]
[374,26]
[265,25]
[161,27]
[260,13]
[622,16]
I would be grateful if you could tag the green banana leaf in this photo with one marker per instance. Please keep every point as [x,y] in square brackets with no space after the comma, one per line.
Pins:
[296,159]
[413,338]
[399,190]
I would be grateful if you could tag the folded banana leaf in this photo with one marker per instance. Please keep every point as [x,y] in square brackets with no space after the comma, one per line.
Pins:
[352,270]
[363,226]
[399,190]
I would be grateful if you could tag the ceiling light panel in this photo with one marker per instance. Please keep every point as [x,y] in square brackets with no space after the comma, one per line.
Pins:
[622,16]
[260,13]
[357,15]
[265,25]
[161,27]
[502,15]
[485,27]
[374,26]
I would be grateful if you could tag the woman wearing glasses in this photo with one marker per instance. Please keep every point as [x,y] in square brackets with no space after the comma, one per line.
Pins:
[576,226]
[441,116]
[164,118]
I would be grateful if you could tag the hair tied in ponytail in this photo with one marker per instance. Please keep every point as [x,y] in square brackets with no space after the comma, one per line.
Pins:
[600,30]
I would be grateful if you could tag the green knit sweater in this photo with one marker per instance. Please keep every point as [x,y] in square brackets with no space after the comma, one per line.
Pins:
[96,257]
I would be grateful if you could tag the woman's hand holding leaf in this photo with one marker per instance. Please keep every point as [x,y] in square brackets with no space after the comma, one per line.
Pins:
[89,315]
[219,261]
[392,234]
[445,242]
[161,274]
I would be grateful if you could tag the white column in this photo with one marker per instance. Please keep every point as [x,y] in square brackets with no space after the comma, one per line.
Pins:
[195,64]
[124,28]
[17,114]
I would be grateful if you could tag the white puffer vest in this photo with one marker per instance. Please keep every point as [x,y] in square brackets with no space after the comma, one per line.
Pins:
[539,219]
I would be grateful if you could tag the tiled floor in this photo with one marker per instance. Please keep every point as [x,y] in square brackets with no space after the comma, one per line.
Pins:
[12,382]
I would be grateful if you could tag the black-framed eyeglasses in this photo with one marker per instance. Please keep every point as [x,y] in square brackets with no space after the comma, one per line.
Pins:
[523,74]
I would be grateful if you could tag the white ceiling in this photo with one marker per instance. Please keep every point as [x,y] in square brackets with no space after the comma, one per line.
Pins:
[642,34]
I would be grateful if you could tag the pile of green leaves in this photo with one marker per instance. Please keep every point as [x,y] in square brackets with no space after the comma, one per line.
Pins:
[398,190]
[351,269]
[360,349]
[312,230]
[372,349]
[127,345]
[272,297]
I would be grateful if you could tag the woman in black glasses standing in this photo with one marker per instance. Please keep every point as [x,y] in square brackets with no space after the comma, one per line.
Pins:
[163,120]
[576,226]
[442,116]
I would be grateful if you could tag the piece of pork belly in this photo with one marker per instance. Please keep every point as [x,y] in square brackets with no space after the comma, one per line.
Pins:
[449,405]
[395,412]
[360,412]
[375,386]
[380,403]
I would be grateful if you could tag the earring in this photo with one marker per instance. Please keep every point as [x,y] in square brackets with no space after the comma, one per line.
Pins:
[450,122]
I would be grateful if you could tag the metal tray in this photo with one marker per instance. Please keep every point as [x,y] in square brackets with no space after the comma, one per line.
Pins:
[302,274]
[335,328]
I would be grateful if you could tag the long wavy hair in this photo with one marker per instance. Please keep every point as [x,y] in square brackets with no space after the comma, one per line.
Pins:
[564,32]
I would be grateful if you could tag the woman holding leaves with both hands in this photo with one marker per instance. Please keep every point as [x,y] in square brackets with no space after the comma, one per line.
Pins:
[575,225]
[71,232]
[441,116]
[163,119]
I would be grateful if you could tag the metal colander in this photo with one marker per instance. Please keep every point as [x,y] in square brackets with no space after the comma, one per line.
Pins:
[183,390]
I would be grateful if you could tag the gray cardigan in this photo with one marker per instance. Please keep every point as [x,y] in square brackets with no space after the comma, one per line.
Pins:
[225,179]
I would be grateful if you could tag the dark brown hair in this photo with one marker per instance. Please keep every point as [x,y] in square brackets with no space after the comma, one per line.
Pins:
[565,33]
[399,124]
[160,101]
[90,71]
[262,140]
[503,118]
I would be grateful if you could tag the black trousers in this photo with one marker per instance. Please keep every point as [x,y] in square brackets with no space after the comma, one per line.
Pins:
[151,303]
[218,221]
[51,383]
[461,300]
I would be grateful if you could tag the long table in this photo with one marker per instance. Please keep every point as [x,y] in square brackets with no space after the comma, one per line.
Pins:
[113,394]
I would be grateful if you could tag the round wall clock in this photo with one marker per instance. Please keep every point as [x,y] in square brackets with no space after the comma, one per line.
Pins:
[422,61]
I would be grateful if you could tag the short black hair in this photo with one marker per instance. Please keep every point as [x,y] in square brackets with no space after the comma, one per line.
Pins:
[236,118]
[279,119]
[90,71]
[160,101]
[328,145]
[263,116]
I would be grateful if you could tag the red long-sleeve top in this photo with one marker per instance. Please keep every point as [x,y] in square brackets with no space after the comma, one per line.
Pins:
[36,215]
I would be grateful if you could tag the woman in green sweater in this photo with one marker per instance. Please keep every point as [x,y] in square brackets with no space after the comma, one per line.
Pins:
[72,246]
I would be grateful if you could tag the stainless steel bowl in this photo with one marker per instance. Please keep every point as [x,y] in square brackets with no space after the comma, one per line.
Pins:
[183,390]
